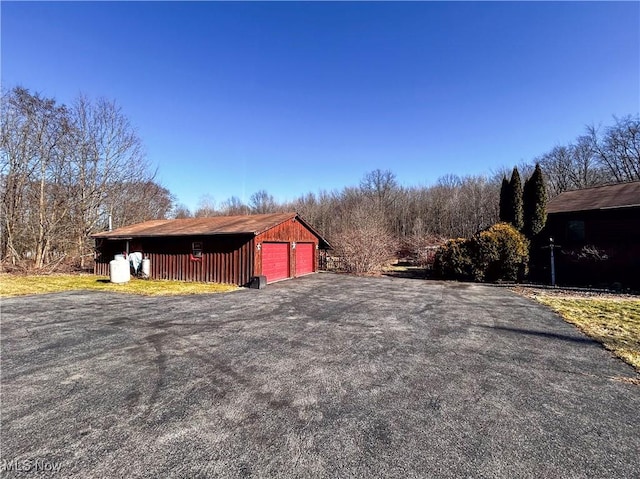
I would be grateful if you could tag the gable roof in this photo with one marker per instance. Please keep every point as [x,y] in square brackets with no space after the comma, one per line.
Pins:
[623,195]
[216,225]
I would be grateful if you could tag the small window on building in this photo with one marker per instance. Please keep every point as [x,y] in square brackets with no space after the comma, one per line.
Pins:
[196,249]
[575,230]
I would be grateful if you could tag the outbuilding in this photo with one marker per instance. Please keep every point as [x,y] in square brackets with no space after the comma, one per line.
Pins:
[598,230]
[222,249]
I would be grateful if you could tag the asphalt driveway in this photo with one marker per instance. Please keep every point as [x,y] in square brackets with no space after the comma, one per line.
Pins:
[323,376]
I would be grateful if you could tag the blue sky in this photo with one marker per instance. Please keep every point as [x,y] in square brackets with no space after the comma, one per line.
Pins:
[292,97]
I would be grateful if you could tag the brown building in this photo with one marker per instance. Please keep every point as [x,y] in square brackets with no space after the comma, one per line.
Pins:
[222,249]
[598,230]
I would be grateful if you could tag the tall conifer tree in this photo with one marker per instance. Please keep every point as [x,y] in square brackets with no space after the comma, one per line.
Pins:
[515,200]
[534,203]
[504,201]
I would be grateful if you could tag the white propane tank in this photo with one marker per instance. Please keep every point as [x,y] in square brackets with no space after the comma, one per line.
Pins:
[118,257]
[119,271]
[146,267]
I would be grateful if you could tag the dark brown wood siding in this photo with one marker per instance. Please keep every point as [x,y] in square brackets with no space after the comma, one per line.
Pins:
[225,258]
[607,250]
[601,227]
[105,252]
[288,232]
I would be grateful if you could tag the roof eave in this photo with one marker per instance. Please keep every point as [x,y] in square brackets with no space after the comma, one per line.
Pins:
[602,208]
[173,235]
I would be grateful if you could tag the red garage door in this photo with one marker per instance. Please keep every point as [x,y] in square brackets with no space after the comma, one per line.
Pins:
[275,261]
[304,258]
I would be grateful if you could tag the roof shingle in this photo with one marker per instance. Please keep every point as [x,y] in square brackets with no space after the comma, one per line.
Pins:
[248,224]
[623,195]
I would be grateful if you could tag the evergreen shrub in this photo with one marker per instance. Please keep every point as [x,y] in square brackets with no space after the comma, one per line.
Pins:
[500,253]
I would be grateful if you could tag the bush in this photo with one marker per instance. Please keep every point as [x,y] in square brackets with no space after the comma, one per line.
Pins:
[420,250]
[500,253]
[454,260]
[363,250]
[363,243]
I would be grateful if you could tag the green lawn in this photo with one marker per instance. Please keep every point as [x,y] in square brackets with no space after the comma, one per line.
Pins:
[611,321]
[14,285]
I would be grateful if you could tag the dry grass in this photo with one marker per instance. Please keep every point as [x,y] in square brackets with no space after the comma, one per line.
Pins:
[13,285]
[614,322]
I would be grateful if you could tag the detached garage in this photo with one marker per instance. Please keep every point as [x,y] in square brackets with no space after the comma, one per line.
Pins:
[223,249]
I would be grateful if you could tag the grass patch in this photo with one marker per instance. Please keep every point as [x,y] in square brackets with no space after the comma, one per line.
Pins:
[12,285]
[399,268]
[405,271]
[613,322]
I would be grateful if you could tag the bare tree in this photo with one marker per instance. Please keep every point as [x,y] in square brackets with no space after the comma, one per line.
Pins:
[319,210]
[63,171]
[234,206]
[19,162]
[557,165]
[262,202]
[381,186]
[141,201]
[599,157]
[33,155]
[585,171]
[181,211]
[363,243]
[478,205]
[206,207]
[108,159]
[618,149]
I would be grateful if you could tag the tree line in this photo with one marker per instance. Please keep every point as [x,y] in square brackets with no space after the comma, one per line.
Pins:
[65,168]
[453,206]
[456,206]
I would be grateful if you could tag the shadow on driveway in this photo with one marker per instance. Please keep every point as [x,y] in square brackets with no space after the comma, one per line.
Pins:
[544,334]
